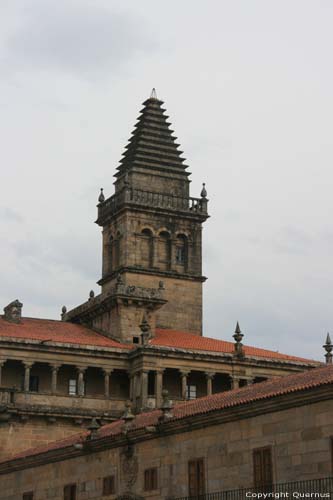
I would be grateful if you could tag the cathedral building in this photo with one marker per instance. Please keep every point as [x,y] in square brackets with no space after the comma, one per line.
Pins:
[142,333]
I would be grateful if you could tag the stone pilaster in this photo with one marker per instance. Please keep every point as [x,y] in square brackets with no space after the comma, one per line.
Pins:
[158,387]
[2,362]
[184,374]
[107,374]
[27,368]
[54,378]
[80,380]
[209,378]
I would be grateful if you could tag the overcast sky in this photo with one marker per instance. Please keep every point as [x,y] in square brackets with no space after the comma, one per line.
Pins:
[248,87]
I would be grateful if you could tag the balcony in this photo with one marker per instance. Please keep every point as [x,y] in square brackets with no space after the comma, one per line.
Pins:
[137,197]
[22,402]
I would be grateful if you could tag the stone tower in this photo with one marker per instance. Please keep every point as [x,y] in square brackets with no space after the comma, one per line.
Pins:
[151,226]
[152,234]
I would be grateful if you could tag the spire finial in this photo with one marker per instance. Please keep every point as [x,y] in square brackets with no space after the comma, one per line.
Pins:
[153,94]
[145,328]
[238,336]
[101,197]
[328,348]
[166,407]
[203,193]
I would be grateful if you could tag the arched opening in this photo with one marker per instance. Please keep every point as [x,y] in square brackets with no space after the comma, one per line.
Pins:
[221,382]
[181,252]
[116,251]
[146,248]
[164,250]
[110,253]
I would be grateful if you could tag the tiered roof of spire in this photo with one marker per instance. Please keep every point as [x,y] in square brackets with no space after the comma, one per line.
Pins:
[152,144]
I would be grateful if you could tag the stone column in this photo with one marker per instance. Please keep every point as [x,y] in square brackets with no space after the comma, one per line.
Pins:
[184,374]
[54,369]
[154,260]
[107,374]
[234,382]
[158,387]
[2,362]
[27,368]
[131,390]
[144,388]
[80,380]
[172,253]
[209,378]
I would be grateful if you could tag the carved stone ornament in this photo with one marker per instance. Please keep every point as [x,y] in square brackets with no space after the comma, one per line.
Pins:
[129,469]
[13,312]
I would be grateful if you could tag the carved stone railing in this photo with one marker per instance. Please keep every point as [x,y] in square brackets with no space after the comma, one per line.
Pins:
[132,196]
[101,303]
[7,396]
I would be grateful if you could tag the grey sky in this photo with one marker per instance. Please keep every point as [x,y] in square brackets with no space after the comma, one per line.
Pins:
[248,87]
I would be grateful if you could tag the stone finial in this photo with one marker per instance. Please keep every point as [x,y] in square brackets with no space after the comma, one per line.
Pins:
[128,416]
[101,197]
[161,285]
[13,312]
[119,280]
[63,312]
[153,94]
[238,336]
[328,348]
[91,294]
[203,193]
[166,407]
[145,329]
[93,427]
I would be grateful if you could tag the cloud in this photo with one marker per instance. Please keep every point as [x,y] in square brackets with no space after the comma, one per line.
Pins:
[10,215]
[77,38]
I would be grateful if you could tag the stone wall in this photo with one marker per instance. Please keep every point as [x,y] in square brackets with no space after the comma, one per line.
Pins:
[300,439]
[19,435]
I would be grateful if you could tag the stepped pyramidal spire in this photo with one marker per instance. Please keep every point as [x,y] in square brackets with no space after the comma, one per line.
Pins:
[152,145]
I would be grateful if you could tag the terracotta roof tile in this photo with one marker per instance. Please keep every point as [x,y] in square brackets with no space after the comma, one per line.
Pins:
[184,340]
[274,387]
[56,331]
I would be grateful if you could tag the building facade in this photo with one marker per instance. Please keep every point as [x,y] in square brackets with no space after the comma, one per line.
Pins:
[143,332]
[253,438]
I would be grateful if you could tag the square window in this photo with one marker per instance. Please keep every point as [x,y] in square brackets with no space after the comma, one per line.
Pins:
[191,392]
[196,477]
[109,485]
[70,492]
[33,383]
[72,387]
[151,479]
[180,255]
[28,496]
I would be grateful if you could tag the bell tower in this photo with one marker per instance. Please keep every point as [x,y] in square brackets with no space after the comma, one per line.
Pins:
[152,227]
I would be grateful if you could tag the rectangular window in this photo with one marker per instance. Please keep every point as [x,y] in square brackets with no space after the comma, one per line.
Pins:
[191,392]
[196,477]
[33,383]
[180,255]
[262,467]
[109,485]
[28,496]
[151,479]
[70,492]
[72,387]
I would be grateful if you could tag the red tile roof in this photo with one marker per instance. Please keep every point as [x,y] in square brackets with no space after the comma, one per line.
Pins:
[56,331]
[272,388]
[185,340]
